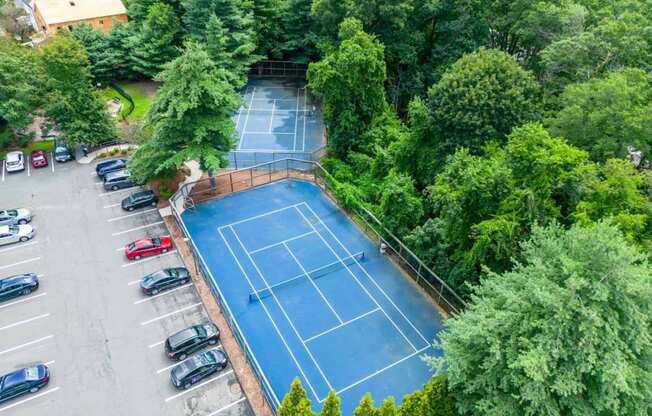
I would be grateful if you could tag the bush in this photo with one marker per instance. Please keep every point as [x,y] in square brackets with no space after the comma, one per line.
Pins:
[114,151]
[165,192]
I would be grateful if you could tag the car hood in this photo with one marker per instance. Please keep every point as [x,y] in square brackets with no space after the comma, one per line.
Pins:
[25,229]
[23,213]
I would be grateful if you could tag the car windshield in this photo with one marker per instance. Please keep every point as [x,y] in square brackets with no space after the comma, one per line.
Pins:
[12,212]
[132,246]
[156,241]
[61,151]
[31,373]
[13,228]
[206,358]
[201,331]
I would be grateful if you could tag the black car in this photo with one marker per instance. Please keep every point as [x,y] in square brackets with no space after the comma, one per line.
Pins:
[18,285]
[140,199]
[108,166]
[189,340]
[63,153]
[197,368]
[164,279]
[23,381]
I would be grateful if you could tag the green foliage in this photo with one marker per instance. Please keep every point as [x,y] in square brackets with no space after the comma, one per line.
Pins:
[567,331]
[605,116]
[350,81]
[365,407]
[331,405]
[295,402]
[297,40]
[434,400]
[190,117]
[400,205]
[102,58]
[155,43]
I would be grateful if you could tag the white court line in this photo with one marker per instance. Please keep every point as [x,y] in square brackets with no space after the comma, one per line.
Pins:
[198,386]
[156,344]
[296,119]
[341,325]
[131,215]
[255,217]
[137,228]
[119,191]
[278,303]
[27,344]
[20,262]
[269,316]
[158,318]
[364,271]
[36,396]
[23,300]
[164,369]
[167,292]
[281,242]
[158,256]
[271,119]
[25,321]
[337,256]
[112,205]
[31,243]
[312,281]
[228,406]
[244,128]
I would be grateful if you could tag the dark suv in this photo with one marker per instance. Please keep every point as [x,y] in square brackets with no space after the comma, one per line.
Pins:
[140,199]
[118,180]
[63,153]
[18,285]
[189,340]
[23,381]
[108,166]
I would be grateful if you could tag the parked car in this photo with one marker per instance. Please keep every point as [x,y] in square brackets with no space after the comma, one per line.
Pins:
[189,340]
[13,216]
[15,233]
[39,159]
[109,166]
[118,180]
[62,153]
[149,246]
[164,279]
[197,368]
[15,161]
[140,199]
[23,381]
[18,285]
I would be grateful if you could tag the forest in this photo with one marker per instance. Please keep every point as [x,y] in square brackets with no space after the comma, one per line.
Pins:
[507,143]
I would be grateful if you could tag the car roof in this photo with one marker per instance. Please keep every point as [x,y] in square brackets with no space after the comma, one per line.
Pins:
[15,377]
[182,336]
[16,278]
[4,228]
[117,174]
[143,193]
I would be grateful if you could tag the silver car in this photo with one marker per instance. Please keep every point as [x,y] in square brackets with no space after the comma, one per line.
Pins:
[15,216]
[15,233]
[15,161]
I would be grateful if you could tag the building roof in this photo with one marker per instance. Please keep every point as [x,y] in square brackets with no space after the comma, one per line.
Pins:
[61,11]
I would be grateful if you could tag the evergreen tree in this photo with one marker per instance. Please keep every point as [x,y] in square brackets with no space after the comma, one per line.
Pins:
[119,42]
[331,405]
[295,402]
[298,38]
[365,407]
[102,57]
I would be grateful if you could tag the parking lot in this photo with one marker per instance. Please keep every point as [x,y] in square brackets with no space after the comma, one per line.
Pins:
[88,321]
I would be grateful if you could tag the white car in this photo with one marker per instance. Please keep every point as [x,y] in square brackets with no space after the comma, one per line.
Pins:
[15,233]
[13,216]
[15,161]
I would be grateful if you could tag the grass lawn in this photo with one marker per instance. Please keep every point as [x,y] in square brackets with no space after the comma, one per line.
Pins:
[45,145]
[141,92]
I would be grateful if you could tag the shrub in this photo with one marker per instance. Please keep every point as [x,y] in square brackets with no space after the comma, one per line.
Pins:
[165,192]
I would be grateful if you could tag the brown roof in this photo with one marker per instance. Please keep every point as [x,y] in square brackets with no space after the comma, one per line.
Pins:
[61,11]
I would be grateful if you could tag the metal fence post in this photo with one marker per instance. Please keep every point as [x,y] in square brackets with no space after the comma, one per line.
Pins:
[251,176]
[231,181]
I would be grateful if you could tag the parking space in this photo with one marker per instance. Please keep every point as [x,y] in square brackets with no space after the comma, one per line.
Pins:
[89,320]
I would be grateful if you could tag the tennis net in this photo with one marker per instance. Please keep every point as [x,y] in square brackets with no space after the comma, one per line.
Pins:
[313,274]
[278,112]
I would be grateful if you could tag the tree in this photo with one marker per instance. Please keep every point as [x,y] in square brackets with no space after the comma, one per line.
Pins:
[605,116]
[331,405]
[298,40]
[566,332]
[190,117]
[365,407]
[434,400]
[400,205]
[295,402]
[72,101]
[481,98]
[267,20]
[137,10]
[102,57]
[119,43]
[350,82]
[155,43]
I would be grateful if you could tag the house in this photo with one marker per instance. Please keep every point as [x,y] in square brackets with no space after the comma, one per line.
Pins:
[52,15]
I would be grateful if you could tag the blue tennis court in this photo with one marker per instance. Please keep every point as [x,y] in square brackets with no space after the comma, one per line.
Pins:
[312,295]
[278,116]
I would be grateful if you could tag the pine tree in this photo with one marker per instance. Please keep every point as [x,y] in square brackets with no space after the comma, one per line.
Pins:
[331,405]
[295,402]
[366,407]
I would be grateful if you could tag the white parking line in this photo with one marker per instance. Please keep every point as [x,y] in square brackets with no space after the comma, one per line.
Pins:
[31,243]
[25,321]
[36,396]
[112,205]
[52,161]
[228,406]
[156,344]
[23,300]
[49,362]
[138,228]
[3,170]
[93,173]
[147,299]
[20,262]
[133,282]
[27,344]
[133,263]
[158,318]
[132,189]
[198,386]
[29,173]
[131,215]
[162,370]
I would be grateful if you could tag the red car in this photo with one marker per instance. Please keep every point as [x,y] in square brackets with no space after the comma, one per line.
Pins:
[39,159]
[146,247]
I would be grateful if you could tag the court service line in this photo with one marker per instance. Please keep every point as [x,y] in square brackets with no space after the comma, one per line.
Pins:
[199,385]
[278,303]
[373,299]
[52,161]
[131,215]
[24,321]
[341,325]
[271,119]
[366,273]
[158,318]
[255,217]
[269,316]
[137,228]
[228,406]
[296,119]
[27,344]
[23,300]
[31,243]
[133,263]
[244,128]
[281,242]
[305,272]
[20,262]
[36,396]
[167,292]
